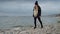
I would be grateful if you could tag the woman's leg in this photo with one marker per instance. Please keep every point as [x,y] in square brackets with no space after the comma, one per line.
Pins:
[40,22]
[35,22]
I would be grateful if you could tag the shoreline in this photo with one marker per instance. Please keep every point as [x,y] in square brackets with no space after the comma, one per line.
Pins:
[47,29]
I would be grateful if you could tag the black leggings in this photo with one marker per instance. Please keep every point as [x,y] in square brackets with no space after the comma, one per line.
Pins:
[39,21]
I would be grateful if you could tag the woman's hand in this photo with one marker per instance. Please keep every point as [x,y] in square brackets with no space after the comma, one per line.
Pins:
[33,15]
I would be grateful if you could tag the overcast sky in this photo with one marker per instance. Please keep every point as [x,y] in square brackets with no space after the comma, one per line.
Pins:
[25,7]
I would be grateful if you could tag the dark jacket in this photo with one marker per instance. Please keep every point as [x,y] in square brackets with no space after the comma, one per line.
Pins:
[39,11]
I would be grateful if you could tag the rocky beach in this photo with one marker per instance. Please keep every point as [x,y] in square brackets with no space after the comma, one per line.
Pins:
[48,29]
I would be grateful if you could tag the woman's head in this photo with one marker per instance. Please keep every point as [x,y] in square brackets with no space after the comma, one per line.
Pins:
[36,3]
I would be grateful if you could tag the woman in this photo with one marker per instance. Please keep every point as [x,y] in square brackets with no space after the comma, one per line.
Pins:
[37,14]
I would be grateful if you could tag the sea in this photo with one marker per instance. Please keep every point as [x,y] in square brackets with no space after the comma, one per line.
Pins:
[8,22]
